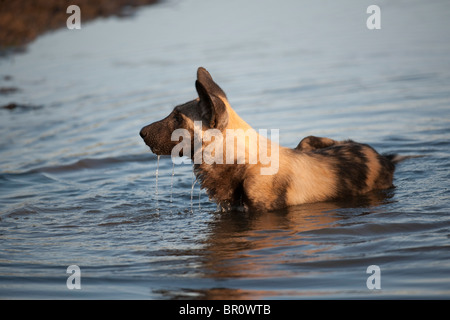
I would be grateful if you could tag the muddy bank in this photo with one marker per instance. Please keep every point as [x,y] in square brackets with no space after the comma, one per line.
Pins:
[21,21]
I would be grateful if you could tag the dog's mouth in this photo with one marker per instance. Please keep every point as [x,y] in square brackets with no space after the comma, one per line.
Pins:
[155,150]
[159,151]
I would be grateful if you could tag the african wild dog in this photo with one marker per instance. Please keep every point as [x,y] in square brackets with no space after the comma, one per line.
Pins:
[318,169]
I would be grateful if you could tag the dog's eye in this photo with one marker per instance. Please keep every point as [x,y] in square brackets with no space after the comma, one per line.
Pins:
[178,117]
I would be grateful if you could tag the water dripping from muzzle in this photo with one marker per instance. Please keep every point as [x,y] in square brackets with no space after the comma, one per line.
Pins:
[199,197]
[192,192]
[156,183]
[171,182]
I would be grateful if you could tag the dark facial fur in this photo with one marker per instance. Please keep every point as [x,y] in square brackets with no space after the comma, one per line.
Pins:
[208,108]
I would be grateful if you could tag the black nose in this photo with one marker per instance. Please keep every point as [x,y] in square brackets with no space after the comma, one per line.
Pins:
[142,133]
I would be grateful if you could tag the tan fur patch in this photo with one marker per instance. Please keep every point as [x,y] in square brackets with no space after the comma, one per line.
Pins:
[312,180]
[374,168]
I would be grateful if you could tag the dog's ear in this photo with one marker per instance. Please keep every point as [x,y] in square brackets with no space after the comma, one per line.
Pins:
[212,100]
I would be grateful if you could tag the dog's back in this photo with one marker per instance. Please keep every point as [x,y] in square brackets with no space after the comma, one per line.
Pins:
[358,167]
[341,170]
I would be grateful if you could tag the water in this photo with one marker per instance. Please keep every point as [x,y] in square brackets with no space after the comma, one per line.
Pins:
[78,186]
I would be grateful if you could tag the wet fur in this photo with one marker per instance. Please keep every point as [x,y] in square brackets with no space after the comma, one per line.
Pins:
[318,169]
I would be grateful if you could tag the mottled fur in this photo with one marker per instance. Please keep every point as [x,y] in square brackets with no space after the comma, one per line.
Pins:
[318,169]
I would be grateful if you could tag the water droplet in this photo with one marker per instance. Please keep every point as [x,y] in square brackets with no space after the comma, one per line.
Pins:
[199,197]
[192,192]
[171,182]
[156,183]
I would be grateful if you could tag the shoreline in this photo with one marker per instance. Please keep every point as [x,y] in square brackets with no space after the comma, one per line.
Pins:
[23,21]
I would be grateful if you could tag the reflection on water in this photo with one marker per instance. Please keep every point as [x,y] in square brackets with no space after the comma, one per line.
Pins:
[78,185]
[247,245]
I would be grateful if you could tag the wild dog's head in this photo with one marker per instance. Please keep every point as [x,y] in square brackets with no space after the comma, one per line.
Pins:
[210,108]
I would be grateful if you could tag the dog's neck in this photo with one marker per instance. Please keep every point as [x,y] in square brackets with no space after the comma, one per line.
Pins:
[224,182]
[236,122]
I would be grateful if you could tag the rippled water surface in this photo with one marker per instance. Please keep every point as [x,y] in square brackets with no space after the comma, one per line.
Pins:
[78,185]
